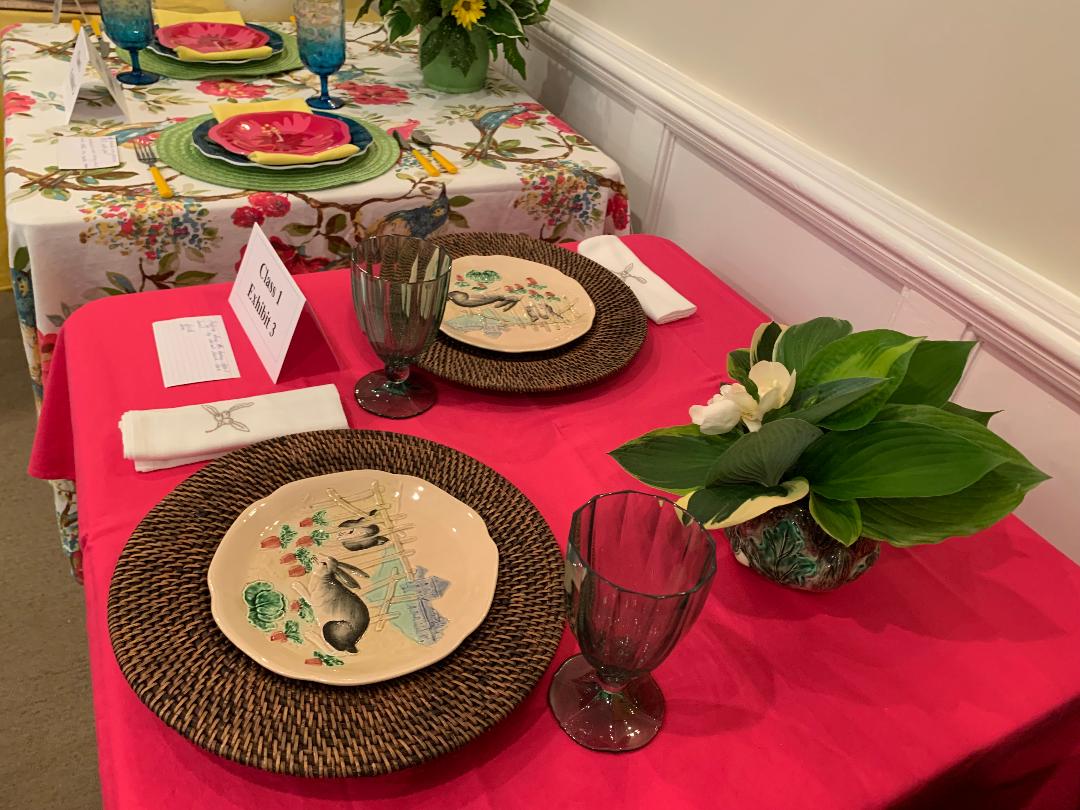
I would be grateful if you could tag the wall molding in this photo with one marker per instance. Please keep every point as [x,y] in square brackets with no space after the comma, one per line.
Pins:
[1033,321]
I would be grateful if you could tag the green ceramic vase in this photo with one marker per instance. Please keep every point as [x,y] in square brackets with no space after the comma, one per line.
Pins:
[441,75]
[787,546]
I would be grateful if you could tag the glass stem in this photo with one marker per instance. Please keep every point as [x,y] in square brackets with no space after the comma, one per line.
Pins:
[324,94]
[396,377]
[135,68]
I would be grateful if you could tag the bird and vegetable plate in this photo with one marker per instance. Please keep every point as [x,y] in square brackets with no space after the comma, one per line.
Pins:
[506,304]
[353,578]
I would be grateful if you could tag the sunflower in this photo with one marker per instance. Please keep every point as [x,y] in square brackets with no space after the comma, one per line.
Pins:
[468,12]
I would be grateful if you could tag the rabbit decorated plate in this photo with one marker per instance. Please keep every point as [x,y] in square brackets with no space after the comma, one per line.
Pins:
[353,578]
[506,304]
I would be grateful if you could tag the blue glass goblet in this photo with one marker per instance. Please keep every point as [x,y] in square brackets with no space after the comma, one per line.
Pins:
[130,24]
[320,32]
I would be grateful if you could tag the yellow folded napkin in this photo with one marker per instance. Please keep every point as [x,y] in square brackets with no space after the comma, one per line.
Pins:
[280,159]
[164,17]
[191,55]
[223,112]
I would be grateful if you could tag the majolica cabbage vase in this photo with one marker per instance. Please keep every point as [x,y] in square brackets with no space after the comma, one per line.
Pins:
[828,442]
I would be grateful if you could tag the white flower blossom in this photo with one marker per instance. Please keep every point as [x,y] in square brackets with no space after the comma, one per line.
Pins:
[734,403]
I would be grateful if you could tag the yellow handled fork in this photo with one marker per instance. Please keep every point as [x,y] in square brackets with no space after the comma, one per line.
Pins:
[145,153]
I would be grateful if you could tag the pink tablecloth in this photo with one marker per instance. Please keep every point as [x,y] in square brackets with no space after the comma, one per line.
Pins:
[946,674]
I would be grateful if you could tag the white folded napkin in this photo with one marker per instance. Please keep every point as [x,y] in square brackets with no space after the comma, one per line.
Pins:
[169,437]
[661,302]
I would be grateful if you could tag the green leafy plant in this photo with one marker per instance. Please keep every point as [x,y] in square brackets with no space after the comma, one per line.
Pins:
[858,423]
[503,23]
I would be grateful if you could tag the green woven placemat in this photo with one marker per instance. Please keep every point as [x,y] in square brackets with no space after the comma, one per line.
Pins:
[288,59]
[176,149]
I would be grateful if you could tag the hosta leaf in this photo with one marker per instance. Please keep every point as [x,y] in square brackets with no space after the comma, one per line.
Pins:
[730,504]
[503,21]
[676,459]
[934,371]
[738,365]
[1015,464]
[913,521]
[761,344]
[840,519]
[894,460]
[763,457]
[802,341]
[819,401]
[982,417]
[398,23]
[878,353]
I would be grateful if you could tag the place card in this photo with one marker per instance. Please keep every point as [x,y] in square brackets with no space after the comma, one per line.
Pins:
[267,302]
[192,350]
[84,56]
[87,153]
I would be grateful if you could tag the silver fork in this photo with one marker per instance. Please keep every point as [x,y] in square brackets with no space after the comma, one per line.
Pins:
[145,153]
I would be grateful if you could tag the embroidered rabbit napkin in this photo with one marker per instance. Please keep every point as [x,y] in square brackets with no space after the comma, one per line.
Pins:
[661,302]
[169,437]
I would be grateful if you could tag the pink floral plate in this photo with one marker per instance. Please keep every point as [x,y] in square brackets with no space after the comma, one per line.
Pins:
[207,37]
[283,133]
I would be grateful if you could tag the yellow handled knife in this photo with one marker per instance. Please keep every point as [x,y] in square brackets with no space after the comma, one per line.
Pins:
[428,166]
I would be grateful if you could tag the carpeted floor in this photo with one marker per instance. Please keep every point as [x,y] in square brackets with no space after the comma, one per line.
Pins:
[46,723]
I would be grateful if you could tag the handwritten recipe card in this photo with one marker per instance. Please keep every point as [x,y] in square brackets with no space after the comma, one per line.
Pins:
[192,350]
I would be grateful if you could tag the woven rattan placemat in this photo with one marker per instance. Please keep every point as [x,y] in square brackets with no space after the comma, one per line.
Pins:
[616,335]
[288,59]
[185,670]
[177,150]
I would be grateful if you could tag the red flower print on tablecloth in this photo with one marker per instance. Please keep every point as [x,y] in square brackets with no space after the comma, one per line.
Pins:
[226,88]
[374,93]
[245,216]
[16,103]
[560,125]
[522,118]
[7,29]
[618,208]
[46,345]
[295,262]
[273,205]
[262,204]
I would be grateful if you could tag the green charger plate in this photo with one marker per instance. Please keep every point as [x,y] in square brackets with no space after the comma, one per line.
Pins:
[175,148]
[288,59]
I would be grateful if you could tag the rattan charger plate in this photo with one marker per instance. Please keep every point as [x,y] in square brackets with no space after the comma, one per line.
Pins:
[616,335]
[185,670]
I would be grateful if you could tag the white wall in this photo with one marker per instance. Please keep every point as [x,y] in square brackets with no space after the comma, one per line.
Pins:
[967,108]
[801,235]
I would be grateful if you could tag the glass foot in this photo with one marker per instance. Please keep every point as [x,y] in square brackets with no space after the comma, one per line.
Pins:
[377,394]
[137,78]
[602,720]
[327,103]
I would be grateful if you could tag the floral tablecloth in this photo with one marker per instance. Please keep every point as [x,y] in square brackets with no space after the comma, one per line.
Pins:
[77,235]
